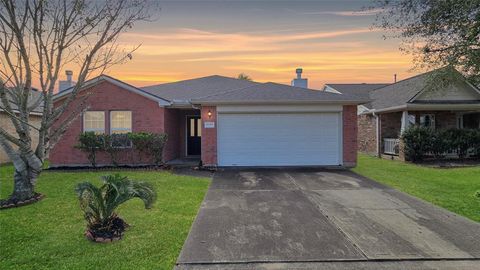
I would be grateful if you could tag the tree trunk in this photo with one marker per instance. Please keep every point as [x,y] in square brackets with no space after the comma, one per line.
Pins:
[25,178]
[24,188]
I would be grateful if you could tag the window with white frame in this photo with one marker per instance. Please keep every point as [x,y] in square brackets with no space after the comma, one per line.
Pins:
[120,125]
[427,120]
[94,121]
[120,122]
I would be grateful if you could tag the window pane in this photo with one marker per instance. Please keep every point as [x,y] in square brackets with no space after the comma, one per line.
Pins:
[427,120]
[121,122]
[199,127]
[192,127]
[471,120]
[94,121]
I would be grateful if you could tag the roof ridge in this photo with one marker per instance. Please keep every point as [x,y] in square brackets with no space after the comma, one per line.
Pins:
[192,79]
[297,87]
[231,90]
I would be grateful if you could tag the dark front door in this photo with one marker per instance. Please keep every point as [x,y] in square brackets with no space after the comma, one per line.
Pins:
[194,135]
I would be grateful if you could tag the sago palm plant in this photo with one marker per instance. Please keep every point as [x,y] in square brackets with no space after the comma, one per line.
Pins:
[99,204]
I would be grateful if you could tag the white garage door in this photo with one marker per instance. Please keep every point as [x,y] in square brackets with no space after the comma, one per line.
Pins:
[279,139]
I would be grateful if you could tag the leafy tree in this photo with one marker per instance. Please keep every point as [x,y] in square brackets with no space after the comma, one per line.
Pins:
[243,76]
[37,39]
[99,203]
[437,33]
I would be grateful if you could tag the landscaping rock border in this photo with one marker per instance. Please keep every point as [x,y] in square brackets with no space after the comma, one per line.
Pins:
[95,239]
[8,204]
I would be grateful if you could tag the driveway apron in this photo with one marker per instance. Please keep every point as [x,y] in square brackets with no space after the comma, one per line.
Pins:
[267,217]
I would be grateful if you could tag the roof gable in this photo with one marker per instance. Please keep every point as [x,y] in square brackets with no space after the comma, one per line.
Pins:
[457,91]
[415,89]
[161,101]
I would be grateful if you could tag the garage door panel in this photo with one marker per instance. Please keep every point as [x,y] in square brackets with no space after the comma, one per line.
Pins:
[278,139]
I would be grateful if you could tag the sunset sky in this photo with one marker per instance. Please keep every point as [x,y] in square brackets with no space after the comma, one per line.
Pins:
[333,41]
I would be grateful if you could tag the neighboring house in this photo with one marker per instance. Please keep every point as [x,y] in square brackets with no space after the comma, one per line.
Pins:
[35,120]
[394,107]
[221,121]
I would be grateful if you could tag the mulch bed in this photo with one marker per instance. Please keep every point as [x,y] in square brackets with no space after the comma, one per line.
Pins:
[126,168]
[12,204]
[108,168]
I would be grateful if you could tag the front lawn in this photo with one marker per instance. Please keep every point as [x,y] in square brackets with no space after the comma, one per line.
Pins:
[49,234]
[453,189]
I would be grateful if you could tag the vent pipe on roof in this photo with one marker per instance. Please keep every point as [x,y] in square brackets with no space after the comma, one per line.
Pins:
[63,85]
[395,78]
[299,81]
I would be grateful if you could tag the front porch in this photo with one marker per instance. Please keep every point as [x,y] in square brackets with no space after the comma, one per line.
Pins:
[391,125]
[184,129]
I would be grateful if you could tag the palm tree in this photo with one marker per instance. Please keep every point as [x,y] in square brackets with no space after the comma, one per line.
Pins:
[243,76]
[99,204]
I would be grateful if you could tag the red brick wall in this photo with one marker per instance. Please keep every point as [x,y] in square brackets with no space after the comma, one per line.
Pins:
[175,127]
[350,135]
[146,116]
[443,119]
[209,137]
[367,134]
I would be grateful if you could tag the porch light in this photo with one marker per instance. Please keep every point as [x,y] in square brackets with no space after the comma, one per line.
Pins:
[209,114]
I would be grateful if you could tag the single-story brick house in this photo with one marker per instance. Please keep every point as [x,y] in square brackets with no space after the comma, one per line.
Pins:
[394,107]
[221,121]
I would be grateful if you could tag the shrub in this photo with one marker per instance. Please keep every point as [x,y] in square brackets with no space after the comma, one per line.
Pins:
[417,142]
[108,146]
[439,143]
[460,140]
[90,143]
[151,144]
[420,141]
[99,203]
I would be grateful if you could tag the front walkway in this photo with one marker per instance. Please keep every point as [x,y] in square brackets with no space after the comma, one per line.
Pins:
[305,219]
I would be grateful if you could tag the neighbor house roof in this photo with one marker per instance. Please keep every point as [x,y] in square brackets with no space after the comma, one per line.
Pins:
[398,95]
[33,97]
[361,90]
[197,88]
[278,93]
[358,89]
[405,91]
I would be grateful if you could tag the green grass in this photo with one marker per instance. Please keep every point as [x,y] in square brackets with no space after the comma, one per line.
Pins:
[453,189]
[49,234]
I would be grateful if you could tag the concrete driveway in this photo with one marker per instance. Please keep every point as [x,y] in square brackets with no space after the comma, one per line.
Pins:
[329,219]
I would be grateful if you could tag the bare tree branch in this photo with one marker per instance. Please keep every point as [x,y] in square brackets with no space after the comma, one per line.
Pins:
[37,40]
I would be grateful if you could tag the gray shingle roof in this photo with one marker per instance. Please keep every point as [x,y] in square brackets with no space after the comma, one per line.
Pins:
[32,98]
[274,92]
[197,88]
[358,89]
[399,93]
